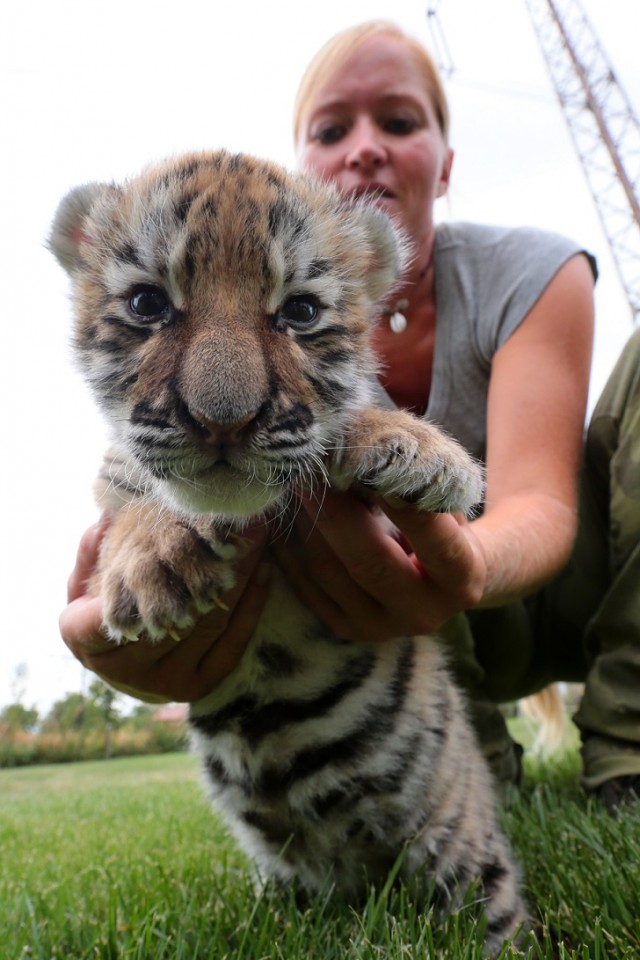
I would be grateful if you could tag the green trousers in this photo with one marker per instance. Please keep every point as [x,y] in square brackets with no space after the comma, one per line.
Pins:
[585,625]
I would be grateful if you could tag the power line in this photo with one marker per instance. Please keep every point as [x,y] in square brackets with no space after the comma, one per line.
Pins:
[441,52]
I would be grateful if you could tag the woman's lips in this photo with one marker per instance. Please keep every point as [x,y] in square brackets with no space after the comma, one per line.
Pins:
[372,189]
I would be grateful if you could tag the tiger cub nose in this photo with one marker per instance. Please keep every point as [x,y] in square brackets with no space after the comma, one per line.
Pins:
[221,434]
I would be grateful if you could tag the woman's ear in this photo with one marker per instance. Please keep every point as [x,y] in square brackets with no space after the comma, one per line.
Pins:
[445,176]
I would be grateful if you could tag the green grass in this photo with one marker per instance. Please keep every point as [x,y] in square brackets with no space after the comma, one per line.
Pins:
[123,860]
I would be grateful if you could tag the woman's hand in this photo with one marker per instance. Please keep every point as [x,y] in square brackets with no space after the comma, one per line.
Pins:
[165,671]
[366,583]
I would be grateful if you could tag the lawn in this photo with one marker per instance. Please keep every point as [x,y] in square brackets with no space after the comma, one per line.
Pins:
[123,860]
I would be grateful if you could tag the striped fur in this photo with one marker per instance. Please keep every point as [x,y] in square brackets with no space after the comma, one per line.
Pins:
[223,311]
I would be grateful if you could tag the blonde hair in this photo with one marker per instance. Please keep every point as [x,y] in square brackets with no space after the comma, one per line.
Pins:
[340,47]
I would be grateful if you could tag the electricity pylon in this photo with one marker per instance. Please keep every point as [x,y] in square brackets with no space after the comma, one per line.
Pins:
[603,125]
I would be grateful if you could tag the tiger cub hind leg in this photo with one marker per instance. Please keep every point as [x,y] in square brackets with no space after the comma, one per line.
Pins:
[472,869]
[404,457]
[459,857]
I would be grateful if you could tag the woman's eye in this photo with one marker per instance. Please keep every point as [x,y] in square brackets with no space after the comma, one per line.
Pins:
[300,311]
[330,134]
[148,302]
[400,126]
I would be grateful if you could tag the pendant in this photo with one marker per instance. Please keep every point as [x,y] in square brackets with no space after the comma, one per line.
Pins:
[398,322]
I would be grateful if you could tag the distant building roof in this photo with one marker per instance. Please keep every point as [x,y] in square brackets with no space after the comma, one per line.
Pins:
[171,713]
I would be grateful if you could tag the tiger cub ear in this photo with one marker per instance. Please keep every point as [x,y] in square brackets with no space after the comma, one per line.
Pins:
[390,252]
[67,231]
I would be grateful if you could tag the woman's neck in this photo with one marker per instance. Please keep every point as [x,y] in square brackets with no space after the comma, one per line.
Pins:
[407,356]
[418,283]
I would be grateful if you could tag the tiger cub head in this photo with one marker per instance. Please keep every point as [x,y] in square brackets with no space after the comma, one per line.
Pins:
[223,310]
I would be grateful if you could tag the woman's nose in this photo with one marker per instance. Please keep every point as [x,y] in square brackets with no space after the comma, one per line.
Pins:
[365,151]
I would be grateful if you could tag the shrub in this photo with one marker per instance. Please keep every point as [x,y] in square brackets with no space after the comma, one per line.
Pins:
[20,748]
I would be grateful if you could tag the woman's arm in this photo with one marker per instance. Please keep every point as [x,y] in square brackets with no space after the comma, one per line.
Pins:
[367,585]
[535,425]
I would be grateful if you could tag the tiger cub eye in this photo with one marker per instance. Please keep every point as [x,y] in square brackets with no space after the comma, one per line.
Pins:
[300,311]
[148,302]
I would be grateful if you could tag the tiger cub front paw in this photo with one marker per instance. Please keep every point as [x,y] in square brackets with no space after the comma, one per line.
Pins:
[406,458]
[157,574]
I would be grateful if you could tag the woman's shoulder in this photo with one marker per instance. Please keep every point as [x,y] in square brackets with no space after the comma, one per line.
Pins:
[490,277]
[504,254]
[490,239]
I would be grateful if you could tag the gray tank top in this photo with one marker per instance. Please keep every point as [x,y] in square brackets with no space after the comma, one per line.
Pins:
[487,280]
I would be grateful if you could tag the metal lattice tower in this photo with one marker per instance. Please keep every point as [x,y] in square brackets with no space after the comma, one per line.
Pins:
[604,128]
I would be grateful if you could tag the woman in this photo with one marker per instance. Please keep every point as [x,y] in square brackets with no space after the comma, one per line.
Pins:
[490,335]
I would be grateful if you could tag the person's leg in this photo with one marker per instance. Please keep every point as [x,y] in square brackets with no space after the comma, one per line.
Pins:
[585,625]
[499,655]
[609,715]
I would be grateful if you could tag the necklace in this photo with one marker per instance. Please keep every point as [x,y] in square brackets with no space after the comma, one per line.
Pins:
[397,319]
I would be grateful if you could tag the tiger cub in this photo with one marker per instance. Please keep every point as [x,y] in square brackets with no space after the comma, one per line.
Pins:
[223,312]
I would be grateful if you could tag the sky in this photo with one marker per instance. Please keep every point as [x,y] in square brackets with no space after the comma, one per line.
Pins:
[96,90]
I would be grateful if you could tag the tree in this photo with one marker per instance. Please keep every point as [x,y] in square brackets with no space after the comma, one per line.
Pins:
[106,699]
[16,716]
[73,712]
[141,716]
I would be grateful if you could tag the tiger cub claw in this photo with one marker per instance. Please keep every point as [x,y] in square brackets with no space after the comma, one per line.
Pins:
[157,579]
[408,460]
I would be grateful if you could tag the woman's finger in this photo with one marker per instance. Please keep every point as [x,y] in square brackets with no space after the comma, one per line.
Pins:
[347,566]
[87,558]
[307,562]
[368,550]
[224,655]
[447,551]
[81,627]
[371,583]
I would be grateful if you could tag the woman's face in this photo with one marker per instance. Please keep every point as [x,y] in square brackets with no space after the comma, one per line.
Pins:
[372,129]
